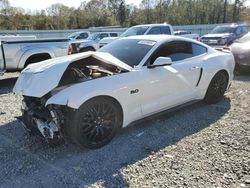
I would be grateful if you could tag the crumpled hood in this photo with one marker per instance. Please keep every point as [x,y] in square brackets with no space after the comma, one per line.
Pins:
[40,78]
[217,35]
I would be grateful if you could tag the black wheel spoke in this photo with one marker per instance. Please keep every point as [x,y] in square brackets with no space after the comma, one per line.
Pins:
[98,123]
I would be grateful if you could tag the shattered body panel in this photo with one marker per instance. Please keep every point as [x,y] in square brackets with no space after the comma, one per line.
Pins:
[32,79]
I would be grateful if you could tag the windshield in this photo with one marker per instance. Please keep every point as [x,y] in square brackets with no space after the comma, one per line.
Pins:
[129,51]
[246,38]
[135,31]
[73,35]
[93,36]
[223,29]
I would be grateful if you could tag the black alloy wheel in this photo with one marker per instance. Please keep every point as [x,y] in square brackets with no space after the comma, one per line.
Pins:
[217,88]
[96,122]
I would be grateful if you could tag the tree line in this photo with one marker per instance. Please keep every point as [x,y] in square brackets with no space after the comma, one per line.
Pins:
[96,13]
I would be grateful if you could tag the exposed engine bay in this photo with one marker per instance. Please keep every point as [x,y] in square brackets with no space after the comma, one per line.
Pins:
[88,69]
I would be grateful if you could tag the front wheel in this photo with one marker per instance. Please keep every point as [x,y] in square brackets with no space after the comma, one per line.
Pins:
[95,123]
[216,88]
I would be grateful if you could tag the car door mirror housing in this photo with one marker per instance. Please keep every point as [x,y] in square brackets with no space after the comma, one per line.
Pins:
[160,62]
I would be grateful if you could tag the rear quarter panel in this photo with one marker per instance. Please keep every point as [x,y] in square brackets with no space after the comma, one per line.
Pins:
[213,63]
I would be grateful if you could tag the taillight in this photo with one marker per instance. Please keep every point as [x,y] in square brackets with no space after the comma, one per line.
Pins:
[70,49]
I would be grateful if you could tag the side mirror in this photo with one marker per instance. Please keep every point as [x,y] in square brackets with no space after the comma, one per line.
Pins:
[160,62]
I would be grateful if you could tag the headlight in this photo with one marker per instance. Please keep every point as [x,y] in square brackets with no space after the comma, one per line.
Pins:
[222,41]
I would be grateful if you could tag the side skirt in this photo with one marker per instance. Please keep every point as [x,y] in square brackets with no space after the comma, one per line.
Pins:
[164,112]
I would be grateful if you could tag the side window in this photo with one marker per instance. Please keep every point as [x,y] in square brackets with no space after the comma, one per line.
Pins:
[155,31]
[165,30]
[113,34]
[103,35]
[244,29]
[198,49]
[238,31]
[83,36]
[179,50]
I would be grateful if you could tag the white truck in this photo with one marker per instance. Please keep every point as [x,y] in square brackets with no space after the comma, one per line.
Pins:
[148,29]
[16,55]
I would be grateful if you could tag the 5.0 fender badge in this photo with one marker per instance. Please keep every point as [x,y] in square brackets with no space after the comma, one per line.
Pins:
[134,91]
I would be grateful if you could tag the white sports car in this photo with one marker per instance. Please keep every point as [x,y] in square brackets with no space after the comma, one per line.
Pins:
[88,97]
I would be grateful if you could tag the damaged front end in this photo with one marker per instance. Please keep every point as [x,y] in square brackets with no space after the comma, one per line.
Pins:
[38,83]
[40,120]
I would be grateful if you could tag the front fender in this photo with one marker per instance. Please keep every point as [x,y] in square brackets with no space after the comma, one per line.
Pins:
[117,87]
[75,95]
[28,53]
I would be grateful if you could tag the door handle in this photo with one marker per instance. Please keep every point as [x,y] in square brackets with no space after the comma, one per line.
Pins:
[195,68]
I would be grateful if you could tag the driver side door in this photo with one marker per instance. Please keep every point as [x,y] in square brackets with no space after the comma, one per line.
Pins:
[167,86]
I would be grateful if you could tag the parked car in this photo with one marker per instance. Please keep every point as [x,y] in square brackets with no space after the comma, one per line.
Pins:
[90,96]
[16,55]
[79,35]
[241,51]
[187,34]
[224,35]
[91,43]
[149,29]
[8,38]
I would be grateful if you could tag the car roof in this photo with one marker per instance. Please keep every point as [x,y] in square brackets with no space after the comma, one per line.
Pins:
[160,39]
[103,32]
[151,25]
[234,25]
[157,38]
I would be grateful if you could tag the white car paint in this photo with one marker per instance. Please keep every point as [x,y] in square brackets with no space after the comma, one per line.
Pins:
[158,89]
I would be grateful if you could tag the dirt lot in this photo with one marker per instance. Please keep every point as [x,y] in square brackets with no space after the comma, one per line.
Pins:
[198,146]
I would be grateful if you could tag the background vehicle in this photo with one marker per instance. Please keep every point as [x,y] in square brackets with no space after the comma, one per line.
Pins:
[79,35]
[16,37]
[225,35]
[187,34]
[19,54]
[90,96]
[91,43]
[241,51]
[150,29]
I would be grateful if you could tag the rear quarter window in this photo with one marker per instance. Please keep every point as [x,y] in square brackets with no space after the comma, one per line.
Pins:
[198,49]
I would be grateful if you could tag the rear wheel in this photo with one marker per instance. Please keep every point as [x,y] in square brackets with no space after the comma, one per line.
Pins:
[95,123]
[216,88]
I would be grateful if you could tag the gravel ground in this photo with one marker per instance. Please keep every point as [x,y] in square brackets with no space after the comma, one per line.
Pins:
[197,146]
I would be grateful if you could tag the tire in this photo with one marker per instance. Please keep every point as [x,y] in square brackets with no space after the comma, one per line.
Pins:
[87,49]
[216,88]
[95,123]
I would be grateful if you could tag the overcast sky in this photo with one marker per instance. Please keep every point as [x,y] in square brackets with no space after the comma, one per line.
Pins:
[43,4]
